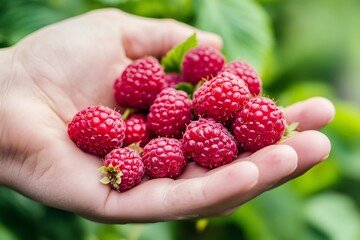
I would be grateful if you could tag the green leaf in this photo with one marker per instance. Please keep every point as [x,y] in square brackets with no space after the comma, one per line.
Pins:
[172,61]
[22,18]
[153,8]
[244,27]
[5,234]
[186,87]
[320,177]
[303,89]
[334,214]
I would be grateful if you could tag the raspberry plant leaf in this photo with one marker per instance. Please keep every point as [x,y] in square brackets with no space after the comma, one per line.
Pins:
[171,62]
[244,27]
[186,87]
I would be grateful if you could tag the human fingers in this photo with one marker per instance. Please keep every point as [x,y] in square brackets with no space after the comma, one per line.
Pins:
[313,113]
[312,148]
[167,199]
[273,163]
[227,187]
[146,36]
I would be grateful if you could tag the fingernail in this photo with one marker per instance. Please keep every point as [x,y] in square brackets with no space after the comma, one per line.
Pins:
[325,157]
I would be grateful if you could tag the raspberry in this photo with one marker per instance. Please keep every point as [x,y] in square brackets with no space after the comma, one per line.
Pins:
[258,124]
[123,169]
[164,157]
[170,113]
[201,62]
[209,143]
[221,98]
[97,130]
[139,83]
[137,130]
[246,73]
[172,79]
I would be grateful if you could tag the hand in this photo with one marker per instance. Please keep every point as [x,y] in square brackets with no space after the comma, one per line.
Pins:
[65,67]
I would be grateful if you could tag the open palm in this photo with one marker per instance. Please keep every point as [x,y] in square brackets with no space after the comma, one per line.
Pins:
[68,66]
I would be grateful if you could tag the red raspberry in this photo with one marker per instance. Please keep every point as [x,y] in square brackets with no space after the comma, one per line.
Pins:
[97,130]
[172,79]
[201,62]
[123,169]
[209,143]
[170,113]
[221,98]
[258,124]
[137,130]
[164,157]
[246,73]
[139,83]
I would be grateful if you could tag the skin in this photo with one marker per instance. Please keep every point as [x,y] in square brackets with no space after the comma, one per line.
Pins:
[55,72]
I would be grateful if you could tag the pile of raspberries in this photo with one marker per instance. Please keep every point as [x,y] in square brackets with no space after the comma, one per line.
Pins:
[223,114]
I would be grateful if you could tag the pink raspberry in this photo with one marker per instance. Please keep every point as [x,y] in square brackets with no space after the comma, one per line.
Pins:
[209,143]
[123,169]
[172,79]
[164,157]
[221,98]
[170,113]
[137,130]
[97,130]
[139,83]
[246,73]
[201,62]
[258,124]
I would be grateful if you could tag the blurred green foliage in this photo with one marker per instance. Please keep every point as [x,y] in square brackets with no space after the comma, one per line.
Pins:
[301,49]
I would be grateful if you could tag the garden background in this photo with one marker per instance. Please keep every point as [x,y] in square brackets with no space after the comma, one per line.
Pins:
[301,49]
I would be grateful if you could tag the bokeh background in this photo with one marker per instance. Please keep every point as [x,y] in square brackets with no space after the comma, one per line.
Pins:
[301,49]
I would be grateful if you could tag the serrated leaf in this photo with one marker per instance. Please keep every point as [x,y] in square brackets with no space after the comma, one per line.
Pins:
[243,25]
[172,61]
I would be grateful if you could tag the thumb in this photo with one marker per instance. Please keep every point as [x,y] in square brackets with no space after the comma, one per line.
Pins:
[146,36]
